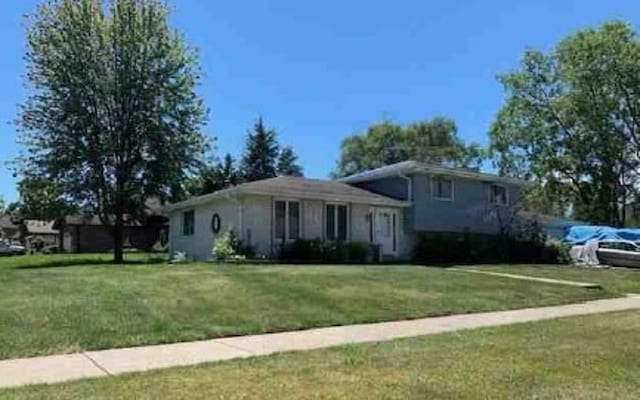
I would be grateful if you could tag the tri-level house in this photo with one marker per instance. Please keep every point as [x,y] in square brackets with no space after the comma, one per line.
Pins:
[388,207]
[444,200]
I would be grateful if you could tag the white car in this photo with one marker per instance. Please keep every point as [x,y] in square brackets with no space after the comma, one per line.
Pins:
[8,249]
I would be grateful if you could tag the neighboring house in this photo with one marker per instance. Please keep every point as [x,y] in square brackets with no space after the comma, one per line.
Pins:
[87,234]
[9,229]
[37,234]
[267,213]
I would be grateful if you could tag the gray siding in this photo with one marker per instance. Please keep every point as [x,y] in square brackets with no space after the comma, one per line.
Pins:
[396,187]
[470,209]
[251,217]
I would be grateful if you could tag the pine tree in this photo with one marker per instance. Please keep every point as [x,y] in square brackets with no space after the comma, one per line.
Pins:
[288,163]
[229,173]
[261,153]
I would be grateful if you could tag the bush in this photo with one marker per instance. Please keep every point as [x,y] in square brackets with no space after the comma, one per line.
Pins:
[228,247]
[319,252]
[558,252]
[450,249]
[224,246]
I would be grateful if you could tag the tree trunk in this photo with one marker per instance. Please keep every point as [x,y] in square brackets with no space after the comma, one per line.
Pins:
[118,240]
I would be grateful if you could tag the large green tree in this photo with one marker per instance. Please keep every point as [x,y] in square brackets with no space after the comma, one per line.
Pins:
[571,122]
[386,143]
[42,200]
[112,115]
[261,153]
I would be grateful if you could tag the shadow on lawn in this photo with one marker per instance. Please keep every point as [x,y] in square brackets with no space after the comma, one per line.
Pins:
[86,262]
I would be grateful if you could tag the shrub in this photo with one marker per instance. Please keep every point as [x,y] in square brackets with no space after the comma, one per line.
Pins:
[224,246]
[319,252]
[450,249]
[227,247]
[556,251]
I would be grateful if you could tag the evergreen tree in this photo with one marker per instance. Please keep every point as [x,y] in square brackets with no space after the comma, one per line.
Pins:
[261,154]
[288,163]
[214,177]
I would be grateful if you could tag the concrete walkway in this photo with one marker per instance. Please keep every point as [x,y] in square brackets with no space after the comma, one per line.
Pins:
[62,368]
[585,285]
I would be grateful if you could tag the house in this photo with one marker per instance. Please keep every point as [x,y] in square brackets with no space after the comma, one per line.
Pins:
[264,214]
[451,200]
[37,235]
[392,206]
[9,228]
[87,234]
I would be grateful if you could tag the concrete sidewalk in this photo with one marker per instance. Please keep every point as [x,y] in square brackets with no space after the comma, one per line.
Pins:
[53,369]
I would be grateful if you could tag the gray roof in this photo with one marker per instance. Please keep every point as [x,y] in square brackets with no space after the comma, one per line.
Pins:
[6,222]
[416,167]
[298,188]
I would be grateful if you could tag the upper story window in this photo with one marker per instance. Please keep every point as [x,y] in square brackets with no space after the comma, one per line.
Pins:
[188,223]
[498,194]
[336,222]
[287,218]
[442,188]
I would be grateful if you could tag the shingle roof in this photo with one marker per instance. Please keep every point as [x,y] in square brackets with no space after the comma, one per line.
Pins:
[6,222]
[36,227]
[412,167]
[298,188]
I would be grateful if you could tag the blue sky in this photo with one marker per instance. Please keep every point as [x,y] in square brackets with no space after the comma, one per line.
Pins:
[318,71]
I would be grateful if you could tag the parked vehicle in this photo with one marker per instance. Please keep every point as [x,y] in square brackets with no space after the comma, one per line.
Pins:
[9,249]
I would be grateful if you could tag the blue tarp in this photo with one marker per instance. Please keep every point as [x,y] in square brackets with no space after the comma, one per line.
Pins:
[580,234]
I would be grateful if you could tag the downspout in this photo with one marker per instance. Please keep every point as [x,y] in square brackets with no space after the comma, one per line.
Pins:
[240,214]
[409,185]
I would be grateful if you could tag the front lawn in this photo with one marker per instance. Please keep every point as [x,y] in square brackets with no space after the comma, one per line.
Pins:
[49,305]
[594,357]
[613,279]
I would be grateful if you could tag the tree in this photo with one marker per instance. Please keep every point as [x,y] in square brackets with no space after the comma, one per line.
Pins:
[571,122]
[288,163]
[215,177]
[41,200]
[261,153]
[386,143]
[112,115]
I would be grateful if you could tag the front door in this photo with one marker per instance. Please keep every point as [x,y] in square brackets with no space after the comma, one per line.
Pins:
[386,230]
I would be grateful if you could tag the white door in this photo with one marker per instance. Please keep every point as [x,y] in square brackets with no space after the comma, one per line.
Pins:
[386,230]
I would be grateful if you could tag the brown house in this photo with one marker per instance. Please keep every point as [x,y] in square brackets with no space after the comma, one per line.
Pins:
[81,234]
[87,234]
[37,235]
[9,229]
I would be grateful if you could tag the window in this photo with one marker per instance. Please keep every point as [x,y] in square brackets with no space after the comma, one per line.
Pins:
[188,223]
[287,216]
[336,222]
[442,188]
[498,194]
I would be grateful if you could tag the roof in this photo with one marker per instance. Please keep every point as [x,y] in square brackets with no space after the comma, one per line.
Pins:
[298,188]
[416,167]
[37,227]
[6,222]
[153,208]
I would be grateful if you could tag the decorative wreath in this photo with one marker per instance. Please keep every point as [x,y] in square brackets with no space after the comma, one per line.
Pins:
[215,223]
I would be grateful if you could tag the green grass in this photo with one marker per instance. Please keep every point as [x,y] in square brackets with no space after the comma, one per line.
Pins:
[594,357]
[617,279]
[50,305]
